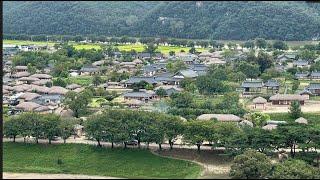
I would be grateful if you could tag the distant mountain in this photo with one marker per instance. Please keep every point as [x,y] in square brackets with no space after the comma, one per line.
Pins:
[218,20]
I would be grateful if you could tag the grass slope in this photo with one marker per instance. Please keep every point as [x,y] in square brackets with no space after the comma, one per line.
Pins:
[90,160]
[311,117]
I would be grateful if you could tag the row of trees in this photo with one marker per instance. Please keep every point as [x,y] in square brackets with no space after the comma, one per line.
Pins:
[119,126]
[39,126]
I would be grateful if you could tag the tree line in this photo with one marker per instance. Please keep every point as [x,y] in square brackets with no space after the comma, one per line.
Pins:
[122,126]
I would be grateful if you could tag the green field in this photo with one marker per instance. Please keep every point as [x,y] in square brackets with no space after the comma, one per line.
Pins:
[162,49]
[20,42]
[91,160]
[311,117]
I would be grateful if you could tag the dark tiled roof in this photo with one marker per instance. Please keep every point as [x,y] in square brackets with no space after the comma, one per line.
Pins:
[252,84]
[300,63]
[137,94]
[150,80]
[315,74]
[272,83]
[313,86]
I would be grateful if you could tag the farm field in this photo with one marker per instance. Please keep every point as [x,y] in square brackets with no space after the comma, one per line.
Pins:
[20,42]
[91,160]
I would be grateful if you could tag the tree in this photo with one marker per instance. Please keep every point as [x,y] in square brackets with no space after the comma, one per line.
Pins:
[295,109]
[77,102]
[208,84]
[50,126]
[172,128]
[161,92]
[66,128]
[150,48]
[251,165]
[94,129]
[172,53]
[176,66]
[192,50]
[280,45]
[258,119]
[295,85]
[11,128]
[250,70]
[295,169]
[59,82]
[96,80]
[196,132]
[261,43]
[249,44]
[181,100]
[264,61]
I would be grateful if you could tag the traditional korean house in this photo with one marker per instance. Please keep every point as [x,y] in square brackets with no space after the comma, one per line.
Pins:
[286,99]
[272,85]
[314,88]
[252,86]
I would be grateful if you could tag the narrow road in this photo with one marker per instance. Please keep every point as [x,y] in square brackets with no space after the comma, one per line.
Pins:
[7,175]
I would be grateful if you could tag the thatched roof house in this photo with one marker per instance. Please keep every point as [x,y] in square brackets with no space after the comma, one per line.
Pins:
[73,86]
[29,79]
[27,106]
[20,74]
[259,100]
[270,127]
[41,82]
[21,88]
[38,89]
[42,76]
[57,90]
[286,99]
[29,96]
[301,120]
[220,117]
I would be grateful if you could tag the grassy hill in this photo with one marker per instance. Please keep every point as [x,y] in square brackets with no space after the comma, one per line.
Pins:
[198,20]
[90,160]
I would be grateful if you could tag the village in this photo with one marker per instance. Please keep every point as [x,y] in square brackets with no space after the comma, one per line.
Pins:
[226,86]
[147,83]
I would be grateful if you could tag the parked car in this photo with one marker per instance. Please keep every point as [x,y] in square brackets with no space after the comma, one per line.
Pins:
[132,142]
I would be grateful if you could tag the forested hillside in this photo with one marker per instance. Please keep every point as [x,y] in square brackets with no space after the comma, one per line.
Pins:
[199,20]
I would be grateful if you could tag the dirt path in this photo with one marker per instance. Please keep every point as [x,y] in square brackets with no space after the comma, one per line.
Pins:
[7,175]
[214,166]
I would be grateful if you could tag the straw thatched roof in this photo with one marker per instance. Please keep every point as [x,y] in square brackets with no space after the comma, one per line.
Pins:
[4,91]
[259,100]
[246,122]
[21,67]
[287,97]
[28,79]
[220,117]
[27,106]
[57,90]
[29,96]
[41,82]
[6,87]
[79,89]
[42,109]
[66,113]
[270,127]
[20,74]
[21,88]
[38,89]
[73,86]
[301,120]
[42,76]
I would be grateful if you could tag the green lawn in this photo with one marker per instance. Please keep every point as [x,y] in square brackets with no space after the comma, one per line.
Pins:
[86,46]
[91,160]
[311,117]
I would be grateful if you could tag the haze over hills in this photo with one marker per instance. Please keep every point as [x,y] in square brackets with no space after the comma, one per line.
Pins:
[198,20]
